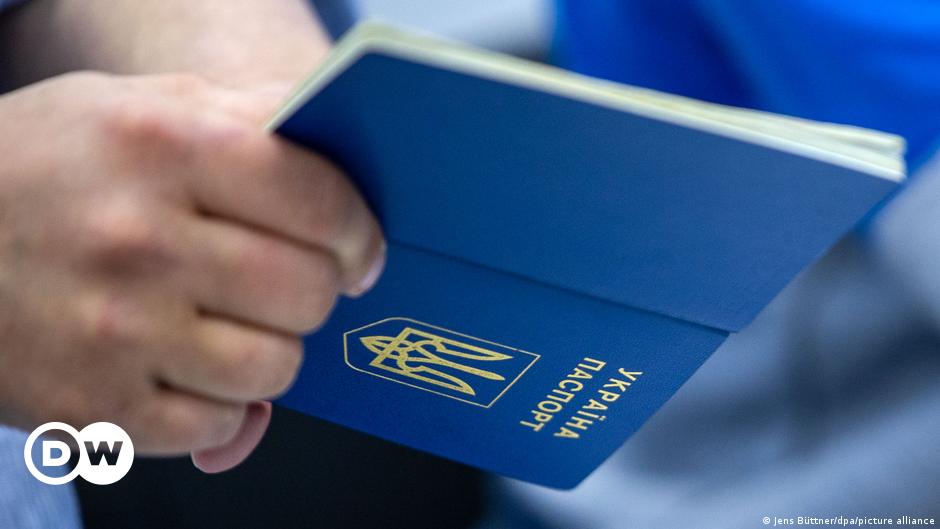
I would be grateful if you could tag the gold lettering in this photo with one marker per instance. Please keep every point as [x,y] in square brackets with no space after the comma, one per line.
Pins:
[598,365]
[572,385]
[564,432]
[564,395]
[579,423]
[589,413]
[535,426]
[632,375]
[580,373]
[541,417]
[619,384]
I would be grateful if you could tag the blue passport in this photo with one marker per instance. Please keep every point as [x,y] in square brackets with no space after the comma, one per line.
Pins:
[564,252]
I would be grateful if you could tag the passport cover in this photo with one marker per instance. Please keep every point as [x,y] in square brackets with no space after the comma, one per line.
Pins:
[557,267]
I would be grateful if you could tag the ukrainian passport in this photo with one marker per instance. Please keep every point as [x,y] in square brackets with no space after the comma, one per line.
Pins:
[564,252]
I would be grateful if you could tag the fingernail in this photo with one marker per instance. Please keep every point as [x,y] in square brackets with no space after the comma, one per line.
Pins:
[231,454]
[368,281]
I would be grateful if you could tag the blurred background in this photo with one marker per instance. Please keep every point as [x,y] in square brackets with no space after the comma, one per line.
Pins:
[520,27]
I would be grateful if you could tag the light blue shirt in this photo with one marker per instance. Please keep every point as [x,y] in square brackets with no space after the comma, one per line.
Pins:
[25,502]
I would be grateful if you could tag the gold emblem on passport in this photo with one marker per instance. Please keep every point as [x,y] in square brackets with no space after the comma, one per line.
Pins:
[435,359]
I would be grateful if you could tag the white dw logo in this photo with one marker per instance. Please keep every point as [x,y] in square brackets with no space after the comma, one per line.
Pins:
[102,453]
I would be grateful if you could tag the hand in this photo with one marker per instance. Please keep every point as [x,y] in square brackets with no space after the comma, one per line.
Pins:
[160,257]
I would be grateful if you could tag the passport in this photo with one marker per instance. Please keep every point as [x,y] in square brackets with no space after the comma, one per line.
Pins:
[563,252]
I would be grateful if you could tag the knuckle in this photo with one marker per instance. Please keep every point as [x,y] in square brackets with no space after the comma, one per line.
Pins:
[230,138]
[226,138]
[140,125]
[121,119]
[137,121]
[110,320]
[119,233]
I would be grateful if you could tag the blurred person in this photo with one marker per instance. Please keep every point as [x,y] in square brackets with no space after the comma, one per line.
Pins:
[160,255]
[828,403]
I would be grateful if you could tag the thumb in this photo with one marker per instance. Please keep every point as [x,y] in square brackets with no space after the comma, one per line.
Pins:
[232,453]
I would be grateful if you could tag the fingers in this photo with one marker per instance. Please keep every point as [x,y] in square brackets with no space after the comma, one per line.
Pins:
[228,167]
[278,233]
[176,422]
[267,183]
[253,106]
[230,454]
[252,276]
[234,362]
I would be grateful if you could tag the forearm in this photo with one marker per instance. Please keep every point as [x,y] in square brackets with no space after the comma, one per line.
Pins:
[242,43]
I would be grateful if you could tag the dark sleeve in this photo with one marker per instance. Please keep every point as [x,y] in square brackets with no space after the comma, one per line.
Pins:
[337,15]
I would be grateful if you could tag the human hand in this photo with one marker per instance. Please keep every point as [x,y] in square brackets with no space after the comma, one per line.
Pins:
[160,257]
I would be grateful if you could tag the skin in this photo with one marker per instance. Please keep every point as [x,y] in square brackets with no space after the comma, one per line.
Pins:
[160,255]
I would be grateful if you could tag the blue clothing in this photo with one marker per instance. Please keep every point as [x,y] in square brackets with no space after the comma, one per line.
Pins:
[336,15]
[25,502]
[870,63]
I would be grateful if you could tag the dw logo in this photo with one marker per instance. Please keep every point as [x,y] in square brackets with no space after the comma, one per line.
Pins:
[437,360]
[102,453]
